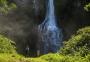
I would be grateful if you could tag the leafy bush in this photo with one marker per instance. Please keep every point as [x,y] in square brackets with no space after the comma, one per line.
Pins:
[79,44]
[87,7]
[65,58]
[68,58]
[5,6]
[6,45]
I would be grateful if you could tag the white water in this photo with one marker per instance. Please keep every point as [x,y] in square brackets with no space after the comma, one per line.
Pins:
[51,36]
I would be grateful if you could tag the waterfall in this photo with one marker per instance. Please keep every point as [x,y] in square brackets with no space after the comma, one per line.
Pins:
[35,7]
[51,35]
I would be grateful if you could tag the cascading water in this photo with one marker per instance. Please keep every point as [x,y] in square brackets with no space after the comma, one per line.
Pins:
[35,6]
[51,35]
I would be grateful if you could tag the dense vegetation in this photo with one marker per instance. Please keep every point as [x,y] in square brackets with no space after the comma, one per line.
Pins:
[76,49]
[6,45]
[78,44]
[87,7]
[6,7]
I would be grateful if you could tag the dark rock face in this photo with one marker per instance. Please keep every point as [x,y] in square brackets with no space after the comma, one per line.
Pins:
[72,16]
[21,25]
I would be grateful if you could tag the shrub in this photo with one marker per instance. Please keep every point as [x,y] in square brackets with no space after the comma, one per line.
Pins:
[79,44]
[65,58]
[6,7]
[6,45]
[87,7]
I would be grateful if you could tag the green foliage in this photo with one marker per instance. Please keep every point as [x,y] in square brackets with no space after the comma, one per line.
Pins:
[5,6]
[65,58]
[79,44]
[11,58]
[87,7]
[45,58]
[34,60]
[68,58]
[52,57]
[6,45]
[18,58]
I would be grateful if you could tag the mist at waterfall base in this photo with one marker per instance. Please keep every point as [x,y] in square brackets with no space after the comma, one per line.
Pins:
[51,35]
